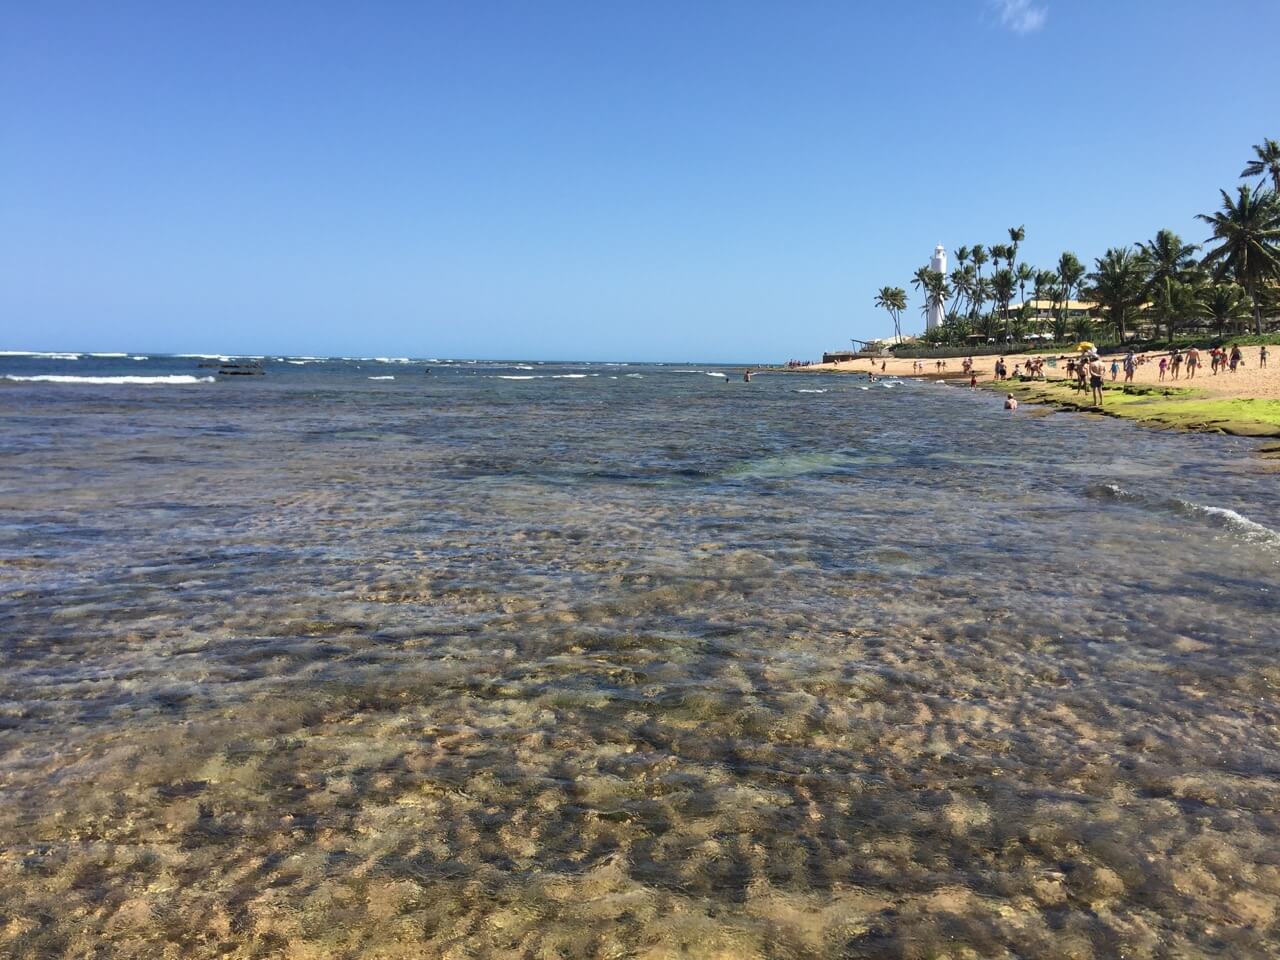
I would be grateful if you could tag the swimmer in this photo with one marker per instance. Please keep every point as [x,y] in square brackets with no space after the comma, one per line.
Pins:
[1010,403]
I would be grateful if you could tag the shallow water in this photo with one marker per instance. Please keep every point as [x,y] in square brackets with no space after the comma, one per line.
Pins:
[625,661]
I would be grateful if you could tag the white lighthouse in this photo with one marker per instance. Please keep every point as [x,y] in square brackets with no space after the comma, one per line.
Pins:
[937,312]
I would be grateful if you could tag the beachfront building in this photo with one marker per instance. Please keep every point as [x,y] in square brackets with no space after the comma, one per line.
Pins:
[938,264]
[1046,309]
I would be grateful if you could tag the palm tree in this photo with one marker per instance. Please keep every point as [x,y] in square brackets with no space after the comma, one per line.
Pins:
[1059,317]
[937,291]
[1248,231]
[1225,303]
[1016,236]
[961,285]
[1168,262]
[979,256]
[1024,274]
[962,256]
[1070,272]
[1267,163]
[1003,284]
[1118,282]
[920,279]
[893,300]
[981,294]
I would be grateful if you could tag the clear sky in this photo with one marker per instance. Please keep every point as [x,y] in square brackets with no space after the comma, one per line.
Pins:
[718,180]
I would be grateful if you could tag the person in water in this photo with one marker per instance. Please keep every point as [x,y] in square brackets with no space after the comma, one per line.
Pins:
[1095,380]
[1010,403]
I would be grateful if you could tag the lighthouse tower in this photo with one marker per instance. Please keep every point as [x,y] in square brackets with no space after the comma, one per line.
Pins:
[938,265]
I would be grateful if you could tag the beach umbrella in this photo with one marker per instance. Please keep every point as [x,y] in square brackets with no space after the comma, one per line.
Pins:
[1084,346]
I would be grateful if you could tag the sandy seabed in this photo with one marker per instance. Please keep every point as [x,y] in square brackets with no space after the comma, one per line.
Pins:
[659,668]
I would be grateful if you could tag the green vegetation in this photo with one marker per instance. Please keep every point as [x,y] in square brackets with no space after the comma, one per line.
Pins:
[1167,407]
[1153,290]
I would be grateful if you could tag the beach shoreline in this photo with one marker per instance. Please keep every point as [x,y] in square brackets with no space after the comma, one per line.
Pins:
[1245,403]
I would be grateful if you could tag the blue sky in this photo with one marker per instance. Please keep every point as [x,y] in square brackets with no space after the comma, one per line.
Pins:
[717,180]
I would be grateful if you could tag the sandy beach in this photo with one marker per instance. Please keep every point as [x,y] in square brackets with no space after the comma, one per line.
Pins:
[1249,381]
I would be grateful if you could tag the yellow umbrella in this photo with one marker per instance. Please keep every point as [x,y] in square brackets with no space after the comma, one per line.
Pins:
[1085,345]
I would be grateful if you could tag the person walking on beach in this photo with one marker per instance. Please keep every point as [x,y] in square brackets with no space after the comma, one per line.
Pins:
[1236,358]
[1193,361]
[1164,365]
[1130,367]
[1115,370]
[1262,357]
[1095,381]
[1175,364]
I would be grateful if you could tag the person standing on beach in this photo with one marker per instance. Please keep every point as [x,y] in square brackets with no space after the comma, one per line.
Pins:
[1130,367]
[1193,361]
[1164,365]
[1236,358]
[1095,381]
[1115,370]
[1262,357]
[1175,364]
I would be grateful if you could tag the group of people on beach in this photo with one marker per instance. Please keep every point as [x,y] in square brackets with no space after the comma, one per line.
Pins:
[1220,359]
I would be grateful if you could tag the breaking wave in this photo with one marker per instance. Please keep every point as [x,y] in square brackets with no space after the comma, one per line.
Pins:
[60,378]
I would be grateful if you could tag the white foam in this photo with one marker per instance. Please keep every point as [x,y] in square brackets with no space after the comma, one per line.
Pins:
[54,378]
[139,358]
[710,374]
[381,378]
[1233,521]
[572,376]
[521,366]
[391,359]
[108,354]
[514,377]
[634,376]
[811,391]
[39,355]
[204,356]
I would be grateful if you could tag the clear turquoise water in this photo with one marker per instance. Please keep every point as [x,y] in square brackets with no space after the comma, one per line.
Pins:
[455,665]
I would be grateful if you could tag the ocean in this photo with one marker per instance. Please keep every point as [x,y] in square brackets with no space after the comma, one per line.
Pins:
[517,659]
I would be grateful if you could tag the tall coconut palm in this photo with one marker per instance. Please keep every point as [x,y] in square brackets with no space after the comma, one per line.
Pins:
[1070,272]
[981,295]
[894,301]
[961,286]
[962,256]
[1225,303]
[1169,262]
[1267,163]
[979,256]
[1003,283]
[1117,285]
[1024,274]
[938,291]
[1248,233]
[920,279]
[1016,236]
[1055,293]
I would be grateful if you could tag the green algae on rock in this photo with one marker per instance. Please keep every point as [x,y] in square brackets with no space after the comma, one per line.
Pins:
[1168,407]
